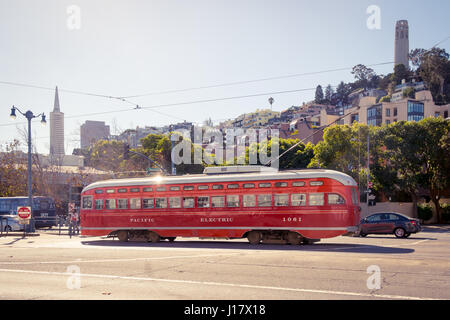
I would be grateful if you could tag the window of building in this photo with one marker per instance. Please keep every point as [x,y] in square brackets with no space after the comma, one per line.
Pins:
[203,202]
[110,203]
[98,204]
[249,200]
[415,111]
[388,112]
[334,198]
[395,112]
[298,200]
[264,200]
[174,202]
[160,203]
[218,202]
[316,199]
[188,202]
[281,200]
[135,203]
[147,203]
[232,201]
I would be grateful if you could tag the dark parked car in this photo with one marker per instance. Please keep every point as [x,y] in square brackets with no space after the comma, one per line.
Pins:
[389,223]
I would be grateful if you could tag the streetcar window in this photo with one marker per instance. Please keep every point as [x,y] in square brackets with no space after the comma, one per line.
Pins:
[265,185]
[248,185]
[298,184]
[202,187]
[281,184]
[174,202]
[217,187]
[176,188]
[147,189]
[249,200]
[354,196]
[110,191]
[316,199]
[135,189]
[188,202]
[334,198]
[110,204]
[202,202]
[233,201]
[160,203]
[218,202]
[122,203]
[87,202]
[281,200]
[188,188]
[147,203]
[298,200]
[264,200]
[124,190]
[233,186]
[135,203]
[159,189]
[98,204]
[316,183]
[99,191]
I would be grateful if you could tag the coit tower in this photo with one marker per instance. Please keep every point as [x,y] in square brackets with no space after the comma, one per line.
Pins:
[401,53]
[56,129]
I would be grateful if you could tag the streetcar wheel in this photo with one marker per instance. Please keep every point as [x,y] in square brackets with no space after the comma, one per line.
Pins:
[294,238]
[153,237]
[254,237]
[171,239]
[122,235]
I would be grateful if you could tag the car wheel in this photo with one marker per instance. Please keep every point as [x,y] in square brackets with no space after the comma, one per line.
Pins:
[400,233]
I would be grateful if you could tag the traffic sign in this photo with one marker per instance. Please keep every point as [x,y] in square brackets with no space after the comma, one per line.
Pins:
[24,214]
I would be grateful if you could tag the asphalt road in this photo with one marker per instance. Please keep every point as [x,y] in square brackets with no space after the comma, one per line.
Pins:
[51,267]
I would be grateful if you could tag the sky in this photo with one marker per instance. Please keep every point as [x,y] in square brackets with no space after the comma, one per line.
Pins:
[150,51]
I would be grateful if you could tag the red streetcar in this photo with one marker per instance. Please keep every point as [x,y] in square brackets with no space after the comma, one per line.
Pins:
[257,203]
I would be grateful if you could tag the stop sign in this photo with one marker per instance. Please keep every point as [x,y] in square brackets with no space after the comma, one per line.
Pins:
[24,212]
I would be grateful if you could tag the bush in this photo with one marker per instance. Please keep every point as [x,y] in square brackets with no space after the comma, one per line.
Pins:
[424,212]
[445,211]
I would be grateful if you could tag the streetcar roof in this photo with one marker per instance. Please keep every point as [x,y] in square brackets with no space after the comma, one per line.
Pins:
[205,178]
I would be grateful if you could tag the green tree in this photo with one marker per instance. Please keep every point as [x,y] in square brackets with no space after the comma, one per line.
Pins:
[364,76]
[319,97]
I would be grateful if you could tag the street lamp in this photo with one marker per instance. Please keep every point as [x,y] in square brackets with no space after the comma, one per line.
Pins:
[29,115]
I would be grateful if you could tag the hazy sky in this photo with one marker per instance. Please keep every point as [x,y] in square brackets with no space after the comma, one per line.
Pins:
[133,47]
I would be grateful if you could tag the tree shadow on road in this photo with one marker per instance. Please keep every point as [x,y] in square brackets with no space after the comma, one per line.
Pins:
[230,245]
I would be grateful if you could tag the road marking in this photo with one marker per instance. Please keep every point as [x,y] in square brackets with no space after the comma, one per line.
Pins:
[221,284]
[117,260]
